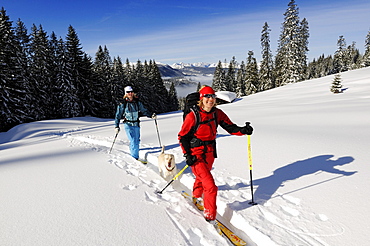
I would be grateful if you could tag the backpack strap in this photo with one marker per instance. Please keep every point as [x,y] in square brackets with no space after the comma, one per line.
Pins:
[198,121]
[195,142]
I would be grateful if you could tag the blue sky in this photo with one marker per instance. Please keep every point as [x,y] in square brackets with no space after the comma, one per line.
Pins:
[192,30]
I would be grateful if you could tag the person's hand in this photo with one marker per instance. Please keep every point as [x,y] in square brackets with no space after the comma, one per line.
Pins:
[154,116]
[247,129]
[190,159]
[117,130]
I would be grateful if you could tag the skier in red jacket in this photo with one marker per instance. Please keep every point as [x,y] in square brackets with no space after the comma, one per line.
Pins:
[199,147]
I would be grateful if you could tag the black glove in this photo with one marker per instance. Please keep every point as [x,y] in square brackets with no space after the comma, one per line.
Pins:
[247,129]
[190,159]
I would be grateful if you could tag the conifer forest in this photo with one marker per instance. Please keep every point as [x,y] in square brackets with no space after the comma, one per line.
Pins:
[43,76]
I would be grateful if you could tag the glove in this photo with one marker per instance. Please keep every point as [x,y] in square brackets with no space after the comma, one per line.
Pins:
[190,159]
[154,116]
[247,129]
[117,130]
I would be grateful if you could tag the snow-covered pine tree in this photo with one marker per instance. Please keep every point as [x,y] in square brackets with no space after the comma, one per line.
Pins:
[160,103]
[336,86]
[266,69]
[12,93]
[41,72]
[172,100]
[327,66]
[240,80]
[217,77]
[231,75]
[128,72]
[74,58]
[366,57]
[353,57]
[119,80]
[60,78]
[199,86]
[103,76]
[286,61]
[340,56]
[303,49]
[92,101]
[251,75]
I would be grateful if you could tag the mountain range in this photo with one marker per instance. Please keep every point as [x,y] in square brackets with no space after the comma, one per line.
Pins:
[186,69]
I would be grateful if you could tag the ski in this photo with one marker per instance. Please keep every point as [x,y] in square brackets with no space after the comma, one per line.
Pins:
[142,161]
[229,234]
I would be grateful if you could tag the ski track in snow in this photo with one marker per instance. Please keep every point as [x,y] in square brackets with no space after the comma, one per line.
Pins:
[253,223]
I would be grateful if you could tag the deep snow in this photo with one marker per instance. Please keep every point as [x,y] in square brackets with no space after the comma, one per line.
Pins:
[59,185]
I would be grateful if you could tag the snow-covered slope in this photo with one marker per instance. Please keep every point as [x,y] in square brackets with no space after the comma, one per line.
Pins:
[59,185]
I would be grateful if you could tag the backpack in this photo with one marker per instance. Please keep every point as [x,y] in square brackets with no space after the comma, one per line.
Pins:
[191,101]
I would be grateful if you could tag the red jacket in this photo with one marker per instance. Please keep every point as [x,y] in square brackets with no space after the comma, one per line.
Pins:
[206,132]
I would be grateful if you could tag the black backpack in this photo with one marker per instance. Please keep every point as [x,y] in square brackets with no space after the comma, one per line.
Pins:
[191,101]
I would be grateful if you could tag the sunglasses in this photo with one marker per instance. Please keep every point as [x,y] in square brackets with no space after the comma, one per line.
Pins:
[129,92]
[210,95]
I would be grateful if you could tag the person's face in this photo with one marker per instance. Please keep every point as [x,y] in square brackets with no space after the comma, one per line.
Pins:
[209,100]
[130,94]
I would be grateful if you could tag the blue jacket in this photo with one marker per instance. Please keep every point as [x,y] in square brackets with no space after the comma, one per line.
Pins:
[129,112]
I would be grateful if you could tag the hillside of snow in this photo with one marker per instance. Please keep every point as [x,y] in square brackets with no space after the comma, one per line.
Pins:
[310,149]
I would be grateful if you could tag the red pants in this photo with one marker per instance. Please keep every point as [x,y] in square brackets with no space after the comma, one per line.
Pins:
[204,184]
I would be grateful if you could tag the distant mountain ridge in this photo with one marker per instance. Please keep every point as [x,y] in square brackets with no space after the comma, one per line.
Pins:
[182,65]
[186,69]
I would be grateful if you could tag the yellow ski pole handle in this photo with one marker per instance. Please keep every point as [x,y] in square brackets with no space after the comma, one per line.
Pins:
[182,170]
[173,179]
[249,153]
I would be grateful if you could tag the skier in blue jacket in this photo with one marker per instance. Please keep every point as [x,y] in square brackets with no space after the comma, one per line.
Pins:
[129,112]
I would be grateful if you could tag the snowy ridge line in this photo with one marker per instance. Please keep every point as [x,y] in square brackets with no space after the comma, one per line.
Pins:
[226,214]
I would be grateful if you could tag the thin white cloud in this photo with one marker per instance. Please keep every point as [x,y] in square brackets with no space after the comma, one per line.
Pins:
[221,38]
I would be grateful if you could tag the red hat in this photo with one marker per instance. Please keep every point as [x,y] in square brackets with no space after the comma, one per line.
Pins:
[206,90]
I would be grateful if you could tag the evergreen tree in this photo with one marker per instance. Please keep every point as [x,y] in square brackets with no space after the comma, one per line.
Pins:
[366,57]
[160,103]
[353,57]
[172,101]
[119,80]
[340,56]
[199,86]
[129,72]
[60,78]
[11,80]
[241,80]
[231,76]
[251,75]
[74,56]
[138,81]
[303,49]
[266,68]
[217,77]
[41,70]
[336,86]
[287,61]
[312,69]
[92,93]
[23,40]
[103,76]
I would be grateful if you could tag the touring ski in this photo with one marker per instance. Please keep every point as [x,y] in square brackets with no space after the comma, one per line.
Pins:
[229,234]
[143,161]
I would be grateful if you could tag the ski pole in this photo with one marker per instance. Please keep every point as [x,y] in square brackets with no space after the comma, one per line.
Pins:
[250,167]
[156,126]
[113,142]
[173,179]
